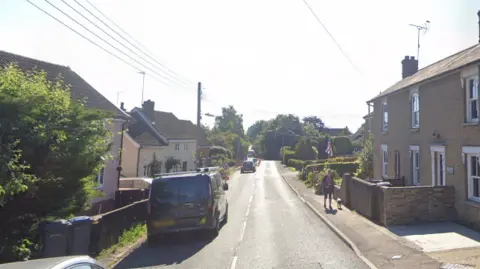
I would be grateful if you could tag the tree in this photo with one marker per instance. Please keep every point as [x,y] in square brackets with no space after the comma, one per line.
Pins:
[315,121]
[230,121]
[254,131]
[304,150]
[51,149]
[365,167]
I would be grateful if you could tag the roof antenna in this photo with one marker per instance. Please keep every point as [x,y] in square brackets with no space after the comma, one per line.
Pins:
[424,28]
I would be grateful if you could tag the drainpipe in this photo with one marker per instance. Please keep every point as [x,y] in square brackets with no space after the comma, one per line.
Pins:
[119,168]
[138,158]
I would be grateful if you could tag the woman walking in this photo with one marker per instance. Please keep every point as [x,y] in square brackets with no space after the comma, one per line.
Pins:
[327,187]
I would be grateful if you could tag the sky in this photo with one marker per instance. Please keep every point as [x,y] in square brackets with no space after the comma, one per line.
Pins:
[264,57]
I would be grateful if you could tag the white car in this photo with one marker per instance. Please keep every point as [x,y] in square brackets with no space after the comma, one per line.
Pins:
[66,262]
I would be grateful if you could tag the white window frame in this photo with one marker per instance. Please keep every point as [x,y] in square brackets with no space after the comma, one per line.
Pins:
[474,98]
[440,150]
[177,146]
[470,152]
[384,155]
[101,177]
[415,151]
[415,110]
[384,116]
[185,146]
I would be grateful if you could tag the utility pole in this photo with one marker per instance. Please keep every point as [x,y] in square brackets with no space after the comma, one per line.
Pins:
[143,83]
[420,28]
[199,125]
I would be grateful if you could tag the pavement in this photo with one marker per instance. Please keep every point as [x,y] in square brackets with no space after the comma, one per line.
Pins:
[380,246]
[269,226]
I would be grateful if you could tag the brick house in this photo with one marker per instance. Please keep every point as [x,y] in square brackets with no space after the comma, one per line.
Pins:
[155,136]
[108,178]
[426,128]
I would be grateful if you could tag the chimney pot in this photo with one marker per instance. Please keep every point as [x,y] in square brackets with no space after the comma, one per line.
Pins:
[406,58]
[412,57]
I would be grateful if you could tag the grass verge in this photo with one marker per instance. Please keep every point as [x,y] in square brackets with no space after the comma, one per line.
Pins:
[127,238]
[292,169]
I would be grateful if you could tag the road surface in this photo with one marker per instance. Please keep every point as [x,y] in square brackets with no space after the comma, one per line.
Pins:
[268,227]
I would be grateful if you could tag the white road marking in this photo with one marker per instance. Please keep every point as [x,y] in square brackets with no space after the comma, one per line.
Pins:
[234,262]
[243,230]
[250,200]
[248,211]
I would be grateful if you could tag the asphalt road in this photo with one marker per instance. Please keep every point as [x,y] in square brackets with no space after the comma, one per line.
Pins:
[268,227]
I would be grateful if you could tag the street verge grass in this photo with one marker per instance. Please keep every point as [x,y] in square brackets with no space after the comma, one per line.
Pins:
[292,169]
[128,237]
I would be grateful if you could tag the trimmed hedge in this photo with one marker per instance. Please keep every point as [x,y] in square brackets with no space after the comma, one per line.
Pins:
[340,168]
[298,164]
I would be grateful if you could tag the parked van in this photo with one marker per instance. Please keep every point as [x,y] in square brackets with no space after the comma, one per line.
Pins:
[187,201]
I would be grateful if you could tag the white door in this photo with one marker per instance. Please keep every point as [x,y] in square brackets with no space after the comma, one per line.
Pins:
[438,166]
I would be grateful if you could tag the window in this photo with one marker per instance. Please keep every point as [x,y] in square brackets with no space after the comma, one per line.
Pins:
[415,111]
[415,158]
[185,146]
[384,117]
[472,99]
[100,176]
[397,164]
[384,161]
[177,146]
[473,172]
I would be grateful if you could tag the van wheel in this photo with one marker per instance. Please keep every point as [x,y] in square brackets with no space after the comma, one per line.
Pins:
[216,229]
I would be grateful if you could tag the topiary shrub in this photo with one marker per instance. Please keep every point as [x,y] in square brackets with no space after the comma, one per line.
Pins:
[342,145]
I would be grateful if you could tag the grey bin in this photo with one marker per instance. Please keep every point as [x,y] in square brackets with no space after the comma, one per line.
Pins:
[384,184]
[79,242]
[55,238]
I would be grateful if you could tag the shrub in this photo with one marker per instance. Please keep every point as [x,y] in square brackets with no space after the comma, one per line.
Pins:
[298,164]
[340,168]
[287,155]
[366,159]
[342,145]
[304,150]
[343,159]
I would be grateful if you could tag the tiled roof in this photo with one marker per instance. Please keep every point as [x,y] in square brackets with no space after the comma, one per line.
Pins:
[334,131]
[80,89]
[451,63]
[143,134]
[167,124]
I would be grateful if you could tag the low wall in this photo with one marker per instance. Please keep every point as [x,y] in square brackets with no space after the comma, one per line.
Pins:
[404,205]
[358,195]
[107,228]
[125,197]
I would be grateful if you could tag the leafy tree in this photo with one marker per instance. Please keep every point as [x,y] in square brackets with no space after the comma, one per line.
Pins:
[255,130]
[315,121]
[304,150]
[51,148]
[365,167]
[230,121]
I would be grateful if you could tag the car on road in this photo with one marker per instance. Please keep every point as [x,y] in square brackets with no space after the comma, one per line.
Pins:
[248,166]
[187,201]
[66,262]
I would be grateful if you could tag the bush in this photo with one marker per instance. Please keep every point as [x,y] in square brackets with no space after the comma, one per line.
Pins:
[287,155]
[343,159]
[298,164]
[342,145]
[304,150]
[366,159]
[340,168]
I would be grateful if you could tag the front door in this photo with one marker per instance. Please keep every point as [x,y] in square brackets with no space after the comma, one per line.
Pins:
[438,166]
[397,164]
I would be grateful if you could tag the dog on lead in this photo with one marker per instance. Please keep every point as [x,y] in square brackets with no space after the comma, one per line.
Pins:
[339,203]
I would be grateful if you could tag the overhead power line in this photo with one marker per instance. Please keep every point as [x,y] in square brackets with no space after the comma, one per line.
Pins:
[119,50]
[128,35]
[171,73]
[332,37]
[122,44]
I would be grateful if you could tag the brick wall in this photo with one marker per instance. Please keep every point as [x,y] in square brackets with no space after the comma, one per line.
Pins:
[404,205]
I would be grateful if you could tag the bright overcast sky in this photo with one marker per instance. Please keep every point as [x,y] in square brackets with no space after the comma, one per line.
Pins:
[261,56]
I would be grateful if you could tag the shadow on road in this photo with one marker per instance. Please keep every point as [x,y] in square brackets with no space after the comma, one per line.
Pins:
[172,249]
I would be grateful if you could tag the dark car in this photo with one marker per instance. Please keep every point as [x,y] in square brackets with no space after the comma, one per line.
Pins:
[187,202]
[247,166]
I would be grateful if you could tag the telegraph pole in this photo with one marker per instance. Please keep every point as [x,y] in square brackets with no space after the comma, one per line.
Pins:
[199,126]
[143,82]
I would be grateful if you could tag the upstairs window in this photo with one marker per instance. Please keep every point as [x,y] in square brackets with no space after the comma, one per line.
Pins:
[384,117]
[177,146]
[415,111]
[185,146]
[472,99]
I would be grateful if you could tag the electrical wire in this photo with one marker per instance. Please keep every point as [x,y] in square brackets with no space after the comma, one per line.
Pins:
[174,76]
[332,37]
[122,52]
[122,44]
[128,35]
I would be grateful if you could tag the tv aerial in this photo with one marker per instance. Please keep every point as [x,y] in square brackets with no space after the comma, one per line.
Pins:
[420,28]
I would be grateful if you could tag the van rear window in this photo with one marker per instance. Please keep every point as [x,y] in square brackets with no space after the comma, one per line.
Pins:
[186,189]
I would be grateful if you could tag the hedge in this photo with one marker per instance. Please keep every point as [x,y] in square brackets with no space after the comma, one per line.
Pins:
[342,145]
[340,167]
[298,164]
[287,155]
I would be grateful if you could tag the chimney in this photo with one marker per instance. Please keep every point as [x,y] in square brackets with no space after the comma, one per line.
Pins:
[149,109]
[409,66]
[122,106]
[478,14]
